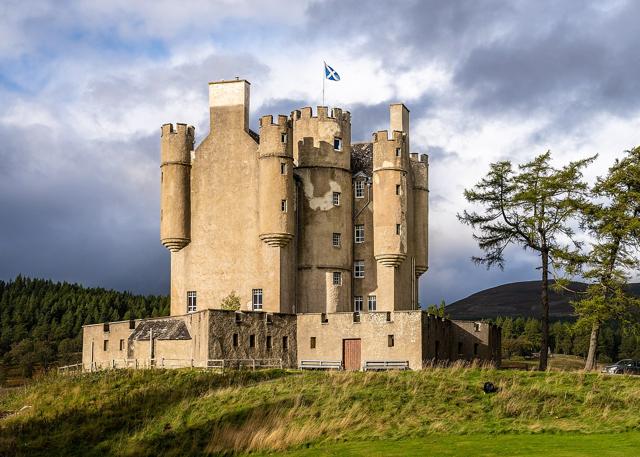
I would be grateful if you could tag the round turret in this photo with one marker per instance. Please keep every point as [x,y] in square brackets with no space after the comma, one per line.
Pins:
[276,187]
[175,188]
[390,164]
[421,212]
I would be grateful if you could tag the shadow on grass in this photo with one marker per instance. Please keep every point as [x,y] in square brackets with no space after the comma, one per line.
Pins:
[92,430]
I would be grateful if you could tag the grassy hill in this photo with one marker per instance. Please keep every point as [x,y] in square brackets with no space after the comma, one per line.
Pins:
[518,299]
[433,412]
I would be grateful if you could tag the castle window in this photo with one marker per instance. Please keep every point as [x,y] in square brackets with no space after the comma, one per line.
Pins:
[105,345]
[252,341]
[476,326]
[122,345]
[105,327]
[191,301]
[397,189]
[269,345]
[337,278]
[285,343]
[323,318]
[475,349]
[283,137]
[283,206]
[336,240]
[460,351]
[161,177]
[371,302]
[257,299]
[132,324]
[359,233]
[357,304]
[359,189]
[390,341]
[337,144]
[312,342]
[388,314]
[336,199]
[397,229]
[358,268]
[235,340]
[283,168]
[398,152]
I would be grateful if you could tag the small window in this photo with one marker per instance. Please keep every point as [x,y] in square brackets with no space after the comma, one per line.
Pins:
[358,269]
[336,199]
[132,324]
[359,238]
[388,316]
[283,137]
[191,302]
[252,341]
[235,340]
[460,351]
[238,318]
[356,317]
[283,206]
[397,229]
[269,318]
[359,189]
[283,168]
[357,304]
[371,303]
[398,152]
[269,345]
[475,349]
[336,240]
[122,345]
[312,342]
[105,327]
[337,278]
[476,326]
[397,189]
[390,341]
[324,319]
[337,144]
[105,345]
[285,343]
[257,299]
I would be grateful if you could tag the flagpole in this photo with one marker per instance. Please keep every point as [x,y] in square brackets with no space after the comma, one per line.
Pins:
[324,76]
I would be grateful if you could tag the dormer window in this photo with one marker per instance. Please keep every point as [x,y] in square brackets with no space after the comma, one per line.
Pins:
[359,189]
[337,144]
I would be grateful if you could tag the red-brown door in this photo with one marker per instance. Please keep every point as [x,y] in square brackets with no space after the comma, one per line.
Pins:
[351,354]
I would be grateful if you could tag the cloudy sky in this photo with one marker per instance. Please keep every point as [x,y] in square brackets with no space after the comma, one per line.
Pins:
[84,88]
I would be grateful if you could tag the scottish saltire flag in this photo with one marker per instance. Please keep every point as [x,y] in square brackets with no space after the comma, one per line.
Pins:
[330,73]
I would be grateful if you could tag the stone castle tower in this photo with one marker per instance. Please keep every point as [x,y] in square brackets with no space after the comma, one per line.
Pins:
[322,240]
[295,219]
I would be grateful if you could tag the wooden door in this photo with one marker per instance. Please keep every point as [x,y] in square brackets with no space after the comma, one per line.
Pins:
[351,354]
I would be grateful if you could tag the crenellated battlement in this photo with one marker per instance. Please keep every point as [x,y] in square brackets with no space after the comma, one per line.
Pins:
[397,136]
[179,129]
[322,114]
[281,120]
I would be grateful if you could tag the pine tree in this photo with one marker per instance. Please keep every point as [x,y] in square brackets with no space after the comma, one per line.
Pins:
[531,207]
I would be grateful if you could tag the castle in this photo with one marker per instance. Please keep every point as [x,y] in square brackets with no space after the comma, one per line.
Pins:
[291,244]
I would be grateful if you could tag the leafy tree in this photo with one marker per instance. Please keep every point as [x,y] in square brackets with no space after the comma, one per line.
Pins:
[613,221]
[438,310]
[231,302]
[531,207]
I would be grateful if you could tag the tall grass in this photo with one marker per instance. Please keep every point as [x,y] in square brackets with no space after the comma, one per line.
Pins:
[190,412]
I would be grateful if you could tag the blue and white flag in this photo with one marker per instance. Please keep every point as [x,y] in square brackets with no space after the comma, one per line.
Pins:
[330,73]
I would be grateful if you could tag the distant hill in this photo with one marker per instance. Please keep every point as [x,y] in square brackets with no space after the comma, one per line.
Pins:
[518,299]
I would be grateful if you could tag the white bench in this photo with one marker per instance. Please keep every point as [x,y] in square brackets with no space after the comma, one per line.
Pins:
[320,365]
[386,365]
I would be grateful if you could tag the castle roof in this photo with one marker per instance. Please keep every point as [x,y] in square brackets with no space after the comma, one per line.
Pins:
[362,158]
[165,329]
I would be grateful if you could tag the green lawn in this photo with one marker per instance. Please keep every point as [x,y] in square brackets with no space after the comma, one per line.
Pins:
[560,445]
[430,412]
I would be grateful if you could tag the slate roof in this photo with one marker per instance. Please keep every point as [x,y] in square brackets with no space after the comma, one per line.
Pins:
[362,158]
[166,329]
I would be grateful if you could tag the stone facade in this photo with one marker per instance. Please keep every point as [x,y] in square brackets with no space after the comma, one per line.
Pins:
[317,236]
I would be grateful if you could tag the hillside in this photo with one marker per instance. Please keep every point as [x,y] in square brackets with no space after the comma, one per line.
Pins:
[41,321]
[194,412]
[518,299]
